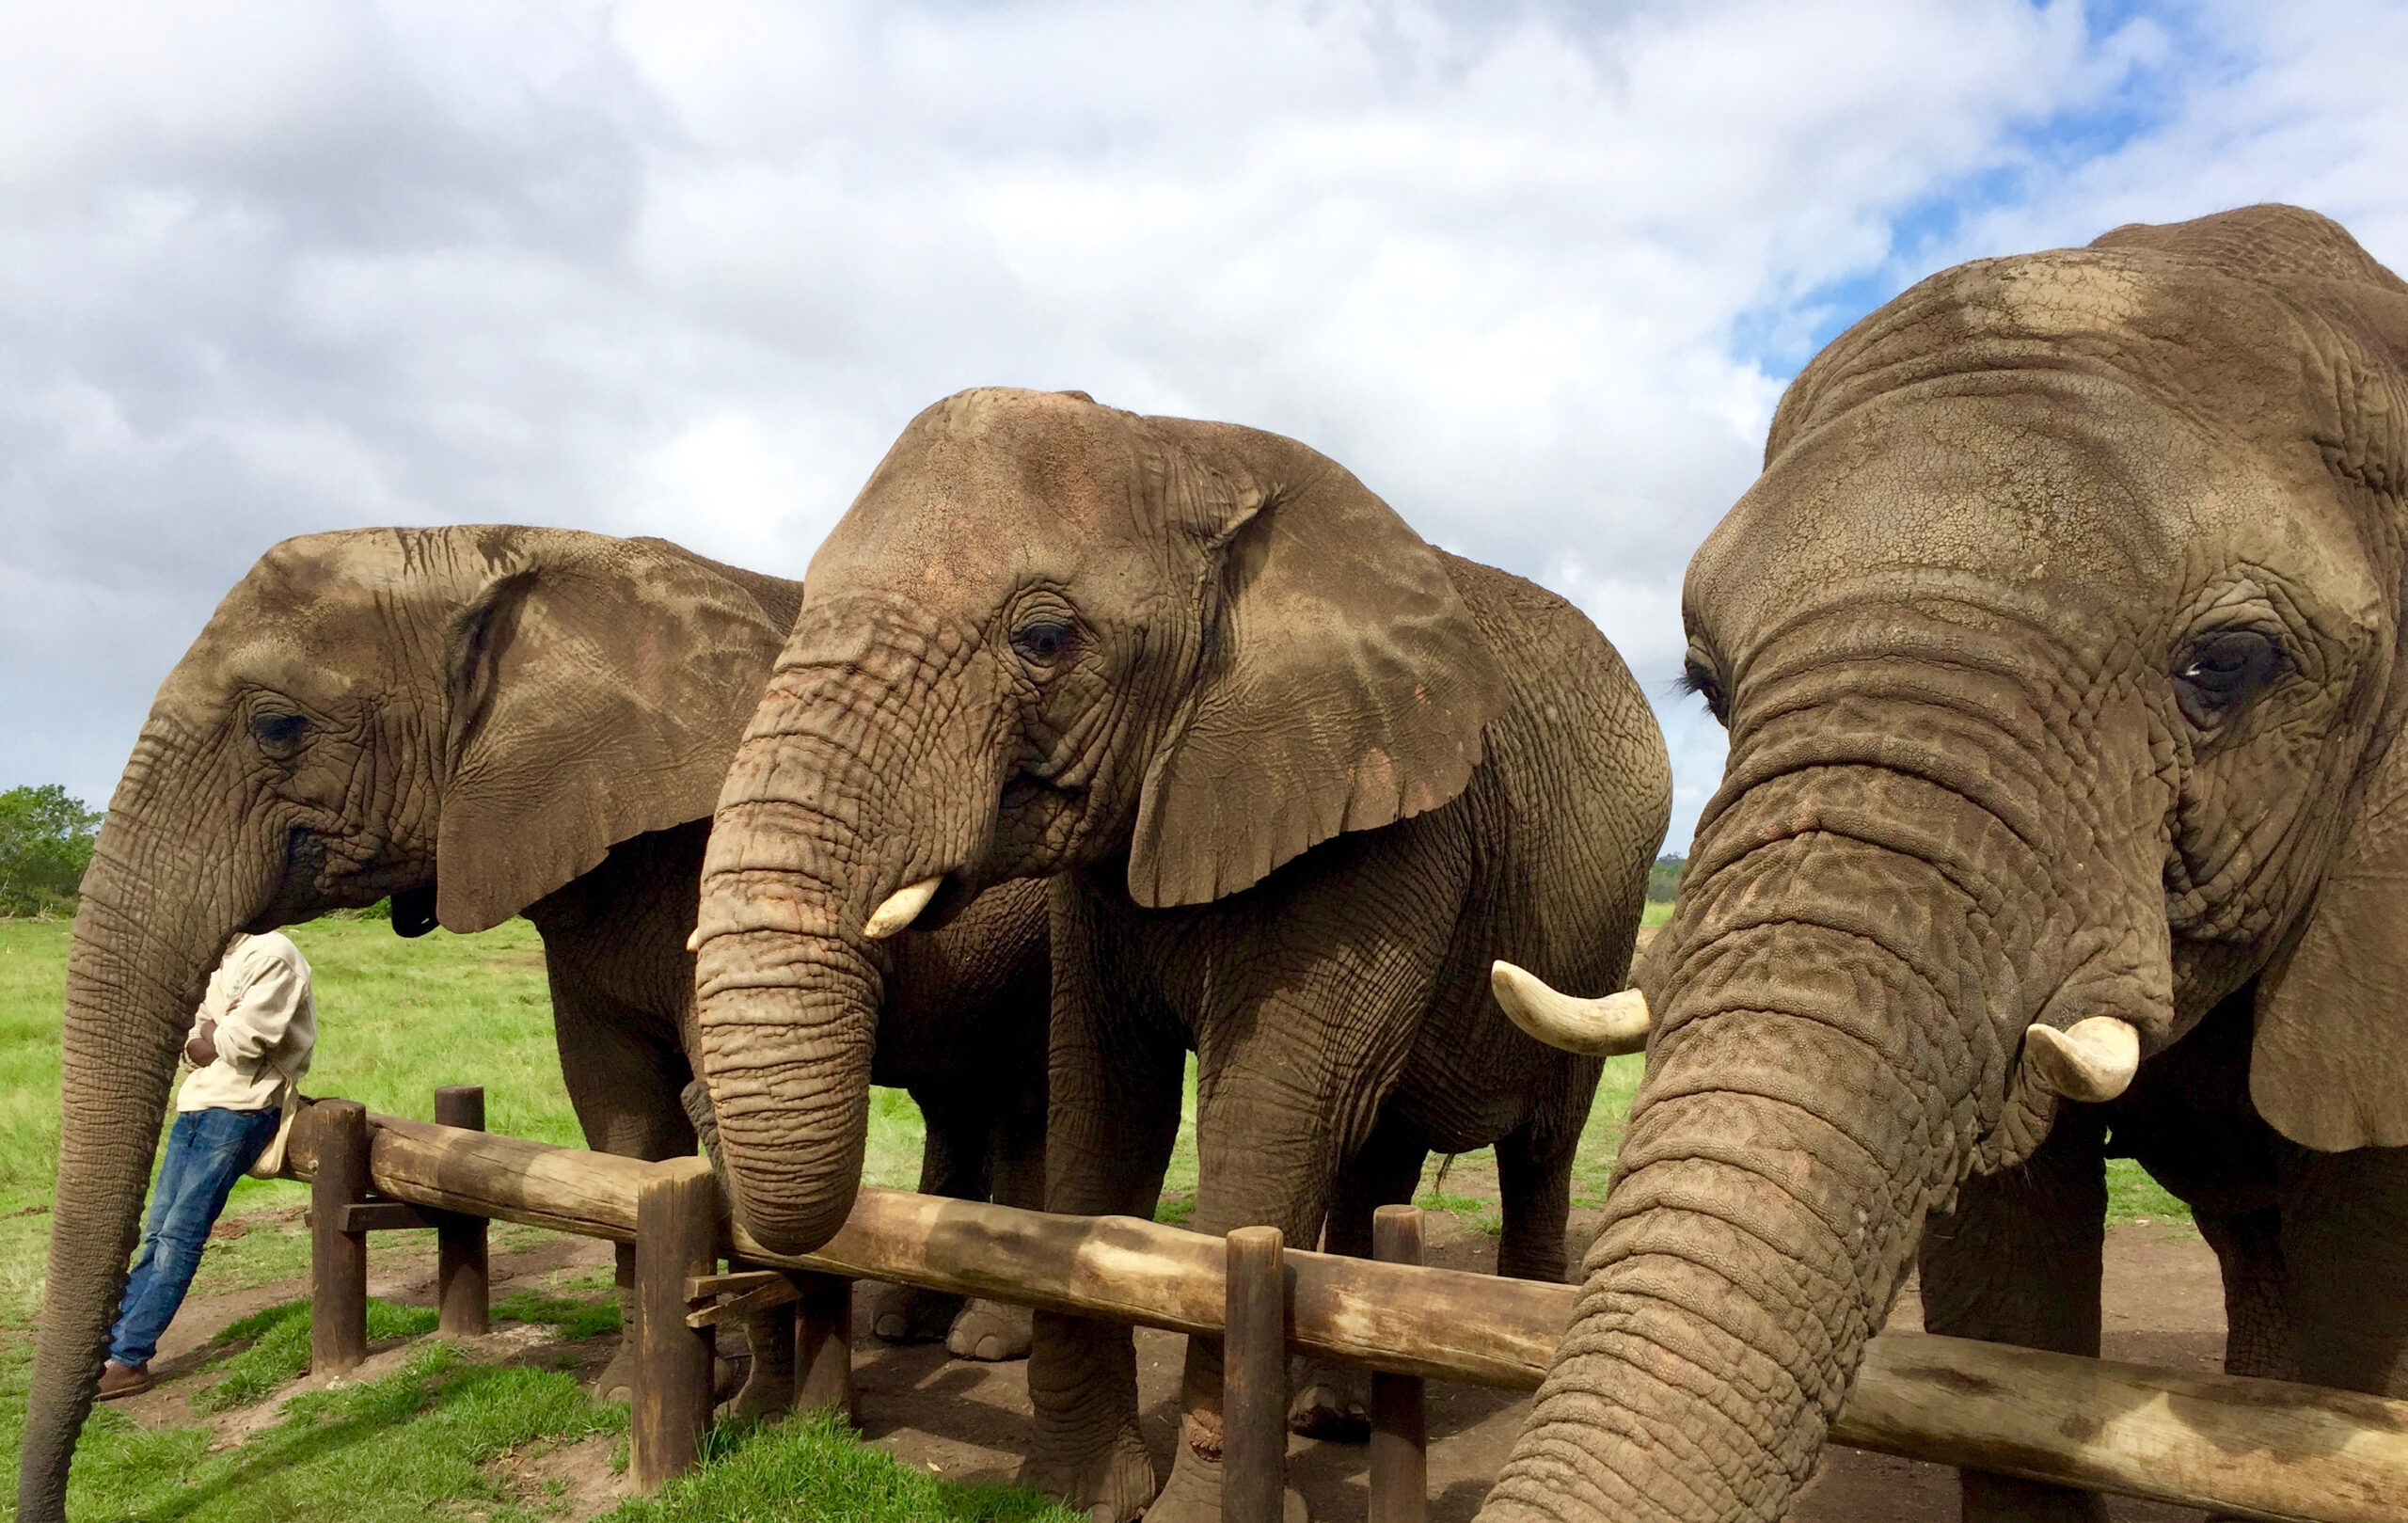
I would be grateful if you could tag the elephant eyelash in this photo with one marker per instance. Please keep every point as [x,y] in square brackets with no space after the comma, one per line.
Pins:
[1698,678]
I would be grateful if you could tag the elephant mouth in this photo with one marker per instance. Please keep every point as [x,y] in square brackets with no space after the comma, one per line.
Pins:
[295,895]
[414,912]
[951,898]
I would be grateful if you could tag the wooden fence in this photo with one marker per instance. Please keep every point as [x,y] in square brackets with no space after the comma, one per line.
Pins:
[2253,1448]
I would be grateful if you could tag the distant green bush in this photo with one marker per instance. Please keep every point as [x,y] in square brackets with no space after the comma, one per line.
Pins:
[45,845]
[1664,879]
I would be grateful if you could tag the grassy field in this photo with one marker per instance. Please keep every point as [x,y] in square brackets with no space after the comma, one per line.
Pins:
[397,1019]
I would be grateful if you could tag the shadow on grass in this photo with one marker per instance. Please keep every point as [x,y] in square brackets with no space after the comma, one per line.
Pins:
[388,1447]
[434,1438]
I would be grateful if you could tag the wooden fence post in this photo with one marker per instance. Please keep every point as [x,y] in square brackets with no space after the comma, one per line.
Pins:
[462,1290]
[338,1260]
[1254,1380]
[823,1374]
[1400,1430]
[676,1238]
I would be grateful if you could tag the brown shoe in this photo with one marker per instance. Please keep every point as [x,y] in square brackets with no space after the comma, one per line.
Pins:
[118,1380]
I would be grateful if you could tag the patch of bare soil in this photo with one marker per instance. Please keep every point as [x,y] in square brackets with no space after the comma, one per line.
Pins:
[574,1481]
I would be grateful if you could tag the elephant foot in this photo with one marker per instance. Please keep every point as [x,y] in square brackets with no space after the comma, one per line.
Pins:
[617,1382]
[989,1330]
[1193,1493]
[908,1314]
[762,1397]
[1113,1487]
[768,1386]
[1332,1403]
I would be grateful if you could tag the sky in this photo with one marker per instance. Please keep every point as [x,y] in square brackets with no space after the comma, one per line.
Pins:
[1537,273]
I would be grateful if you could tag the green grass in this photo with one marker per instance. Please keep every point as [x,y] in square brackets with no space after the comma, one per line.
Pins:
[761,1475]
[2132,1197]
[421,1440]
[444,1435]
[399,1018]
[278,1349]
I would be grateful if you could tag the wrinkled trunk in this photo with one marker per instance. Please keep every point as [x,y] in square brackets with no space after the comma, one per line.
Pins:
[148,932]
[1771,1189]
[788,1022]
[1871,921]
[834,803]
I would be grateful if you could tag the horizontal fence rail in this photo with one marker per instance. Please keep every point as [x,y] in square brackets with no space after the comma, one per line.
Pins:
[2256,1447]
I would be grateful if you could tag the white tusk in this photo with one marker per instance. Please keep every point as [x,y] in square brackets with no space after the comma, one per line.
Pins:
[2092,1060]
[694,939]
[901,908]
[1606,1028]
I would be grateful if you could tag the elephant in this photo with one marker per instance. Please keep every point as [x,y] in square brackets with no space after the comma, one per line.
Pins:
[479,722]
[2059,646]
[1294,778]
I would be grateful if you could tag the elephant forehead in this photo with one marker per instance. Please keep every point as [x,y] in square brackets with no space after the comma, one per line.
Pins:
[2053,296]
[987,492]
[2063,482]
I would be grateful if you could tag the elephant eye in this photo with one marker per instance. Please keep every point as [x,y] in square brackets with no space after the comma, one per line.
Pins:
[2217,675]
[1697,676]
[1040,641]
[278,732]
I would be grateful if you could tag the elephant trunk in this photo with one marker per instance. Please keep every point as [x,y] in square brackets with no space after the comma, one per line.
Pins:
[806,851]
[1839,1012]
[148,933]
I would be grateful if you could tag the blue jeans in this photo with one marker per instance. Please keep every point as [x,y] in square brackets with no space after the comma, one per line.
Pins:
[207,1152]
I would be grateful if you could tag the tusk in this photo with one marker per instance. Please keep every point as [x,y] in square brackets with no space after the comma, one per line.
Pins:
[1592,1027]
[901,908]
[694,939]
[2092,1060]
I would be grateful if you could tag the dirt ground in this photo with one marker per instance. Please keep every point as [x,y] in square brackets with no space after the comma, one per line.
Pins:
[2165,1306]
[968,1422]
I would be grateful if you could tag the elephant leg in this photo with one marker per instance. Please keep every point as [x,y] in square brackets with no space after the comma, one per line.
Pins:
[1535,1178]
[2018,1261]
[1333,1400]
[1295,1093]
[953,1164]
[997,1330]
[624,1081]
[1113,1116]
[769,1388]
[2345,1260]
[2257,1325]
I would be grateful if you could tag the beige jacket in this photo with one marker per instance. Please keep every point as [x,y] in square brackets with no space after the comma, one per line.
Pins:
[267,1025]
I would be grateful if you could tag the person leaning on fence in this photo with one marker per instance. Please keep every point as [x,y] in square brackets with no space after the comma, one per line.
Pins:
[249,1045]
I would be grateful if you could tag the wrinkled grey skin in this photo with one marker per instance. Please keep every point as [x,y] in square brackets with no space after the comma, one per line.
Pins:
[476,721]
[1296,778]
[2060,649]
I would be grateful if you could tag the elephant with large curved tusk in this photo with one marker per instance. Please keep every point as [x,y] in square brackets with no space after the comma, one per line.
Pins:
[2064,652]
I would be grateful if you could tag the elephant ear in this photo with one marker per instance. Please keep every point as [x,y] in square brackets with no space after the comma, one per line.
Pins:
[1343,685]
[596,690]
[2329,1065]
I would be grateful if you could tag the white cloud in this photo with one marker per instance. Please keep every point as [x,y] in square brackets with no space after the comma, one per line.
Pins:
[685,268]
